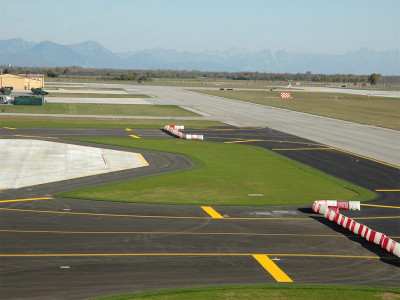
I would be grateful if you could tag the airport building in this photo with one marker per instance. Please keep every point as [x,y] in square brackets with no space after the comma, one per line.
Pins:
[22,81]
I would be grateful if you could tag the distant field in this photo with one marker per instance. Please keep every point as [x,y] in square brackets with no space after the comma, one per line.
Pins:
[83,88]
[225,175]
[239,292]
[377,111]
[101,109]
[94,95]
[61,122]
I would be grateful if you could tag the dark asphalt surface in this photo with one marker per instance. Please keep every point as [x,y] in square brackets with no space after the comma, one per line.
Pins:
[119,248]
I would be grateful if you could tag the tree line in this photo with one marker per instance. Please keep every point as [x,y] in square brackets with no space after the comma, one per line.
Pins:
[118,74]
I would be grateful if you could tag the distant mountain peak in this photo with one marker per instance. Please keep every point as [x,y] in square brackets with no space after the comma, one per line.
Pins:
[91,54]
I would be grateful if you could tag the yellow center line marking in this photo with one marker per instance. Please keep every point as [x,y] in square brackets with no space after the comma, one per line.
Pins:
[302,149]
[381,206]
[272,268]
[142,216]
[275,141]
[371,218]
[190,254]
[243,141]
[371,159]
[176,233]
[9,128]
[212,212]
[134,136]
[395,190]
[28,199]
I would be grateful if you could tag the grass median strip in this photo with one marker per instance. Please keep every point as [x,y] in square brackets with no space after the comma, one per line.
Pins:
[225,175]
[94,95]
[83,122]
[102,109]
[257,291]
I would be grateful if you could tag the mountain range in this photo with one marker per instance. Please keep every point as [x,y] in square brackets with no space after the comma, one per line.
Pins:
[90,54]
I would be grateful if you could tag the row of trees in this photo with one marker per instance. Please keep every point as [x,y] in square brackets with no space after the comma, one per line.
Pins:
[115,74]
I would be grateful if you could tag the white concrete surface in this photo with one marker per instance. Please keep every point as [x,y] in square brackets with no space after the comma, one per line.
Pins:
[374,142]
[97,100]
[27,162]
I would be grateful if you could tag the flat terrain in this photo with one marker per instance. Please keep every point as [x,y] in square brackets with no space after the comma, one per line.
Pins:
[377,111]
[101,109]
[226,174]
[72,245]
[61,248]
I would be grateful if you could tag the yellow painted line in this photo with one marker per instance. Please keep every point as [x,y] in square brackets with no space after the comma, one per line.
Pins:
[28,199]
[272,268]
[9,128]
[372,218]
[189,254]
[128,129]
[243,141]
[229,129]
[301,149]
[177,233]
[381,206]
[212,212]
[37,136]
[134,136]
[143,216]
[142,159]
[98,214]
[387,190]
[275,141]
[371,159]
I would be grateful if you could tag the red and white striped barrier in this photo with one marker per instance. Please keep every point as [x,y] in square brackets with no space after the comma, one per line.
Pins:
[330,210]
[175,131]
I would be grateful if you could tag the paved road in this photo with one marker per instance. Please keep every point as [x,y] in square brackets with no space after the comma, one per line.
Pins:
[77,249]
[378,143]
[374,142]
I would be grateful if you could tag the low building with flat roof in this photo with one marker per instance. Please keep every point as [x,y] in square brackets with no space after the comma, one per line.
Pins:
[22,81]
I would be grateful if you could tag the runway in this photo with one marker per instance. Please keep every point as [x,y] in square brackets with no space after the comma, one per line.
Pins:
[375,142]
[76,249]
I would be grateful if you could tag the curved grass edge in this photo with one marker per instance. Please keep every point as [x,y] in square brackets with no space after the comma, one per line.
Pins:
[362,193]
[325,289]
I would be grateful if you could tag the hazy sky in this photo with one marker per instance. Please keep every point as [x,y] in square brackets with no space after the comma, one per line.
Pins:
[316,26]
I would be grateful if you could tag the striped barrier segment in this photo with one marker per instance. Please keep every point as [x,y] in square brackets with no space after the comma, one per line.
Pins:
[173,129]
[330,210]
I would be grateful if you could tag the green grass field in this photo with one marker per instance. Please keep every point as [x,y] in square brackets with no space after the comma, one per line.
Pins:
[102,109]
[377,111]
[239,292]
[95,95]
[61,122]
[225,175]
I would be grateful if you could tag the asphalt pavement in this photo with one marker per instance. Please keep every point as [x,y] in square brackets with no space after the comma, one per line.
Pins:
[57,248]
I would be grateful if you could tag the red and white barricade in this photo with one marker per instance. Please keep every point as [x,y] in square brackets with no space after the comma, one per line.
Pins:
[175,131]
[330,210]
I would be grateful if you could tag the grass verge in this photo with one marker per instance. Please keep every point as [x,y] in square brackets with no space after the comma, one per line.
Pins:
[95,95]
[225,175]
[76,122]
[377,111]
[307,292]
[102,109]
